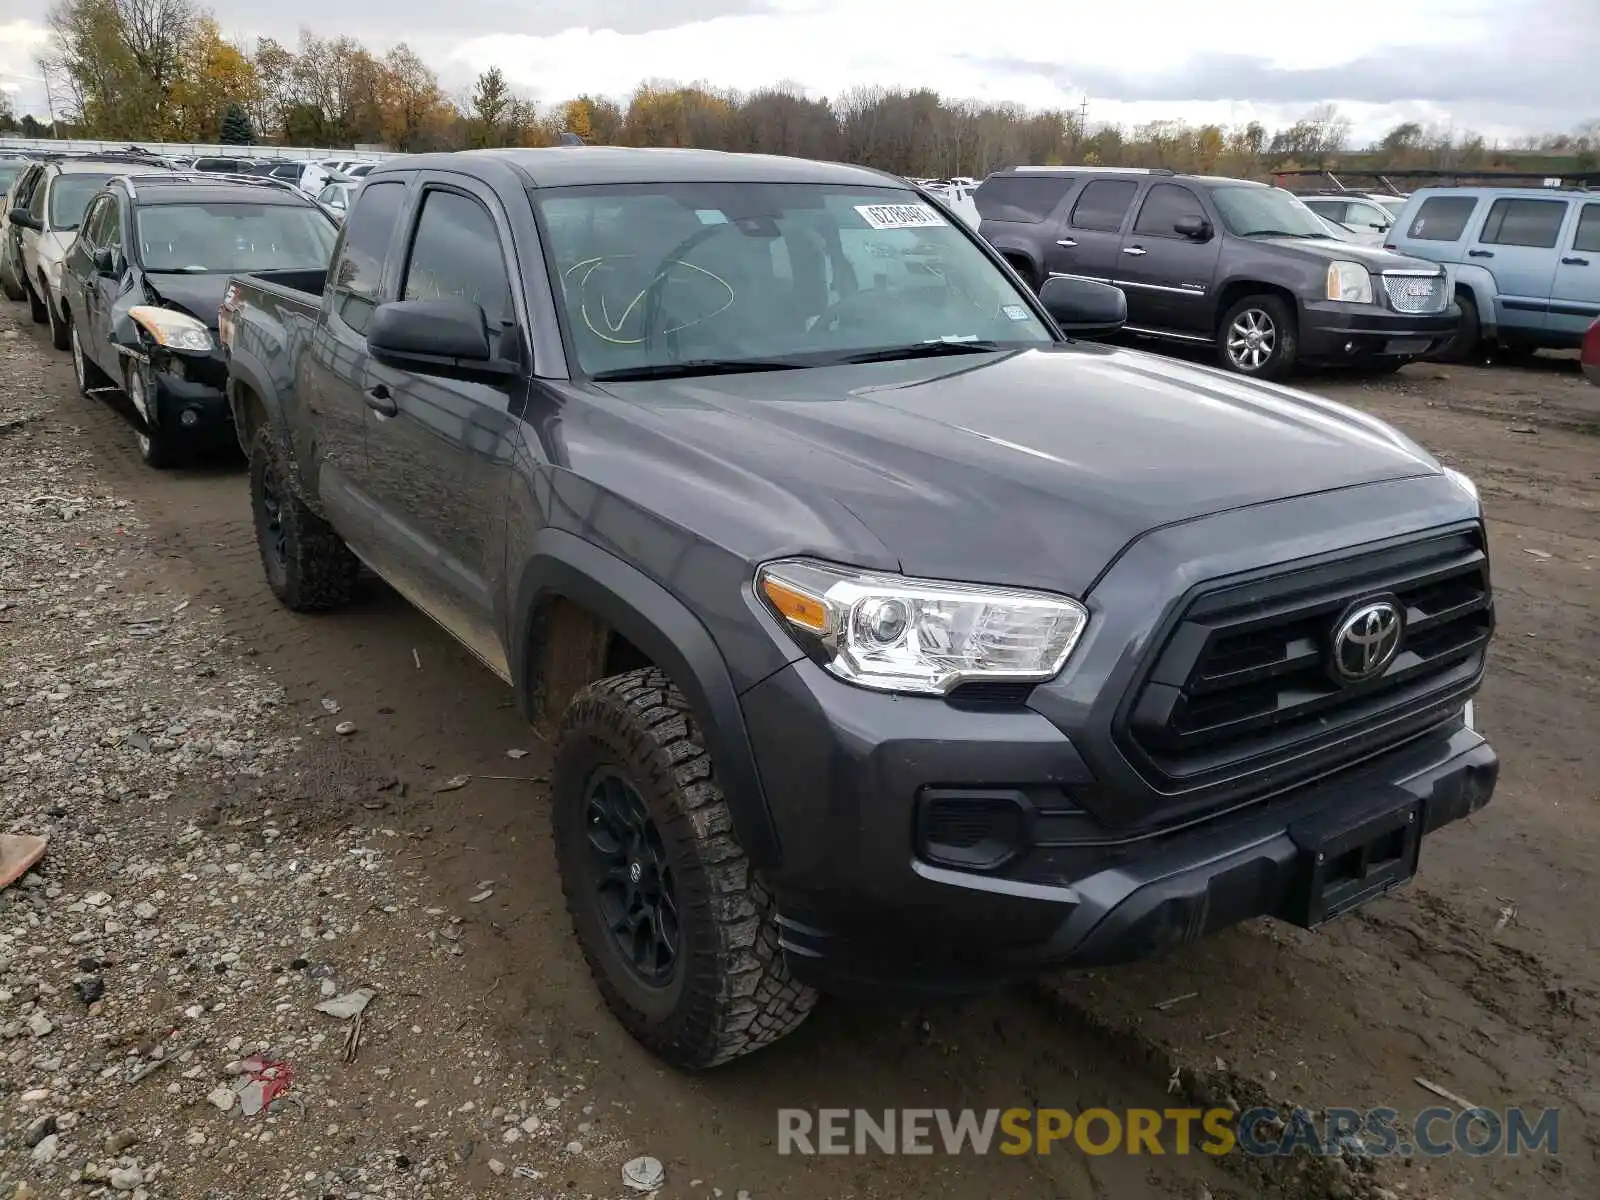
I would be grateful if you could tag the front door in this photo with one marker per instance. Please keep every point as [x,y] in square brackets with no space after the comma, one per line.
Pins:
[1087,240]
[331,373]
[1575,297]
[1165,274]
[1517,243]
[439,459]
[103,229]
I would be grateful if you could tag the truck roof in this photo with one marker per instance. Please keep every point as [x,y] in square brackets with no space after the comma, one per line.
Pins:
[571,166]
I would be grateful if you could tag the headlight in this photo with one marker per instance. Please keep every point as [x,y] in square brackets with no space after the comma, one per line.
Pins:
[174,330]
[918,635]
[1349,282]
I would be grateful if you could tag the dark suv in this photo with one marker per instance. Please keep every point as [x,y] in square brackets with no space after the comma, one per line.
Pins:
[1241,266]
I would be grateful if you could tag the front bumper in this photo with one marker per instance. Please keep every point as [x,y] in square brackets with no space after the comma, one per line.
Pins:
[1335,332]
[864,907]
[191,396]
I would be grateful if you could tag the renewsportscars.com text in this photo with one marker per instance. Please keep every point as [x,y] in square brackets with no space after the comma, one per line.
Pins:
[1258,1132]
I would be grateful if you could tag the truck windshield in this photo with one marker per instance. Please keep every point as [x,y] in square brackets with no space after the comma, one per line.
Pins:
[1251,211]
[661,277]
[69,196]
[217,238]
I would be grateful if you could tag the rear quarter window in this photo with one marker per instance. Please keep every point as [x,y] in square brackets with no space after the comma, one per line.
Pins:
[1442,218]
[1533,223]
[1026,198]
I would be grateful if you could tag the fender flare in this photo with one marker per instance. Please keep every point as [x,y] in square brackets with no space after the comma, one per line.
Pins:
[662,627]
[1480,284]
[1010,247]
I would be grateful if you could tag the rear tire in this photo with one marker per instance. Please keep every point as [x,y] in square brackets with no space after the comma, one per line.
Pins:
[10,279]
[1257,337]
[37,308]
[645,845]
[308,566]
[60,327]
[84,372]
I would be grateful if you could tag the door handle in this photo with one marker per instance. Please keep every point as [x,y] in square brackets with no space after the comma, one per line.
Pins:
[1572,260]
[1134,250]
[1065,242]
[380,400]
[1480,253]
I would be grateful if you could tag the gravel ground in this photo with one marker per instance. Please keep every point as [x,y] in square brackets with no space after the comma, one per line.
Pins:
[222,860]
[166,971]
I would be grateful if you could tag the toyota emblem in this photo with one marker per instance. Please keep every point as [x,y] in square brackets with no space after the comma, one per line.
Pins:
[1366,639]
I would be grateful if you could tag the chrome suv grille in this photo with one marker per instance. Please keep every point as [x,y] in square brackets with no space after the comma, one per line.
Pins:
[1416,293]
[1245,684]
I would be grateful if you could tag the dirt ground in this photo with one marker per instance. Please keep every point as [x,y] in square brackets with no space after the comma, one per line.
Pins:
[1483,976]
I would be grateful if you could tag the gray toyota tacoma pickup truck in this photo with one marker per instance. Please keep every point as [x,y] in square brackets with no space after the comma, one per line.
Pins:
[895,637]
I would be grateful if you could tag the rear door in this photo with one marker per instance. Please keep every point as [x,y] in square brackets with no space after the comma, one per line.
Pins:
[1575,297]
[1015,214]
[1167,276]
[1087,241]
[330,375]
[439,459]
[1517,243]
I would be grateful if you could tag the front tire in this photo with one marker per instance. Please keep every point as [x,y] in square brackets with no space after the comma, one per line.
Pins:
[679,933]
[1464,344]
[156,444]
[308,566]
[1257,337]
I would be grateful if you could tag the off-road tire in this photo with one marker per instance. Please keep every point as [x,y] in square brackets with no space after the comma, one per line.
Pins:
[60,327]
[316,570]
[732,991]
[38,309]
[1285,350]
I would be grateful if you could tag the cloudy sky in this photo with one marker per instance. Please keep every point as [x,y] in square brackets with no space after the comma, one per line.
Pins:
[1498,67]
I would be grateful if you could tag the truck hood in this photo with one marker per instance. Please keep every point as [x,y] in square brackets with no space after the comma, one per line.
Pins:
[1031,468]
[1374,257]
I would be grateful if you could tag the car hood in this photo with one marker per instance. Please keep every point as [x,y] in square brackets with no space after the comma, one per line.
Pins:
[1374,258]
[198,295]
[1031,468]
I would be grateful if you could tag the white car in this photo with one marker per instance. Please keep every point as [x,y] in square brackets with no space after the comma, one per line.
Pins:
[1362,213]
[58,192]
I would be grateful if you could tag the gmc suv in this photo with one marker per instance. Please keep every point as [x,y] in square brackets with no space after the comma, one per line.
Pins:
[1238,266]
[896,639]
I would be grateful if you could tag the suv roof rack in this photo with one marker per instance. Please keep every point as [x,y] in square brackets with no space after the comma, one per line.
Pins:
[148,177]
[1079,170]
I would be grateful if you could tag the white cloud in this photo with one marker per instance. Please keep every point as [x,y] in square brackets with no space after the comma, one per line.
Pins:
[20,44]
[1436,61]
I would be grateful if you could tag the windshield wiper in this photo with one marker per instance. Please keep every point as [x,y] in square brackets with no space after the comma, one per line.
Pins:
[697,366]
[934,349]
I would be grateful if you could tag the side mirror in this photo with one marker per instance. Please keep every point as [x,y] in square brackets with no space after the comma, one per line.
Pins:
[447,338]
[23,218]
[1197,228]
[105,261]
[1084,308]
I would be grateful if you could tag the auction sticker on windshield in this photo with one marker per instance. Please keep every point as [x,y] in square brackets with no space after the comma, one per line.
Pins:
[900,216]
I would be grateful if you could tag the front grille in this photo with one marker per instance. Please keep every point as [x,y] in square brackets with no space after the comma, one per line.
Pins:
[1242,684]
[1416,293]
